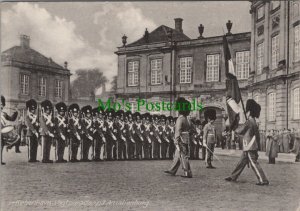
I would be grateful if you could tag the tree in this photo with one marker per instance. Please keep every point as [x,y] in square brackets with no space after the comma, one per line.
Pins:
[114,84]
[87,82]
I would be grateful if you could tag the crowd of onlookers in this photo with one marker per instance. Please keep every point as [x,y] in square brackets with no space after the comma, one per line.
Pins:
[271,141]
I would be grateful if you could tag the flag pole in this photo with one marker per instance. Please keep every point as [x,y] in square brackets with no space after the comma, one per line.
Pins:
[243,104]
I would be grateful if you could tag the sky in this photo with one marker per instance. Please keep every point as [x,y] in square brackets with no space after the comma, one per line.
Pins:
[86,34]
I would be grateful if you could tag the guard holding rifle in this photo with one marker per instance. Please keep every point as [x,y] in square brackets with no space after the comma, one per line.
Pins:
[74,128]
[61,124]
[46,130]
[88,131]
[182,139]
[32,134]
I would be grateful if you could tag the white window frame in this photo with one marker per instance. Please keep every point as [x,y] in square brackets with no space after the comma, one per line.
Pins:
[58,88]
[260,58]
[297,43]
[275,5]
[295,8]
[186,67]
[296,103]
[42,86]
[271,106]
[260,12]
[275,51]
[242,59]
[133,73]
[212,67]
[156,71]
[24,84]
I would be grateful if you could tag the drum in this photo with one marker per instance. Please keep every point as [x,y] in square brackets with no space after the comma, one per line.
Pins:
[9,135]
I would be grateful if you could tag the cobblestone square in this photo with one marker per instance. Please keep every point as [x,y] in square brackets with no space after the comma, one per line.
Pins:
[142,185]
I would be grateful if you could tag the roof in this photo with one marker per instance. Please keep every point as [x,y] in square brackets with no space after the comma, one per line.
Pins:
[29,55]
[160,34]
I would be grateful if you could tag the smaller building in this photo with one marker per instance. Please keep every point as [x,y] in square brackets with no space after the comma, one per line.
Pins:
[26,74]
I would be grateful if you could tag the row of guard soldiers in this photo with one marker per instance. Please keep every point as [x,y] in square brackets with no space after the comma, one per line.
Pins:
[101,134]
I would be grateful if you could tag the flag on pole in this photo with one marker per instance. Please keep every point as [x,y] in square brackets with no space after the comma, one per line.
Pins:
[233,94]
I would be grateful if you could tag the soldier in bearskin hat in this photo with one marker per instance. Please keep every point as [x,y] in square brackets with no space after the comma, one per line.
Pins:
[47,130]
[88,132]
[182,139]
[148,136]
[111,135]
[163,136]
[250,145]
[123,135]
[32,134]
[74,128]
[157,141]
[170,134]
[210,137]
[61,127]
[137,135]
[130,141]
[98,135]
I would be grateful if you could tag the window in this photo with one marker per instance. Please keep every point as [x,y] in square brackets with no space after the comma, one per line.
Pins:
[297,43]
[42,86]
[133,73]
[296,103]
[256,98]
[242,64]
[275,51]
[272,106]
[186,69]
[212,71]
[24,84]
[58,88]
[260,12]
[156,71]
[260,58]
[295,9]
[275,4]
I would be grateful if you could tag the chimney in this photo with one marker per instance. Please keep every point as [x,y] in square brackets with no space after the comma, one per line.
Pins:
[66,65]
[24,41]
[178,24]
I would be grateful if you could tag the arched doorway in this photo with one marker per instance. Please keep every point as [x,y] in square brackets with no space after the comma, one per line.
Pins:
[219,123]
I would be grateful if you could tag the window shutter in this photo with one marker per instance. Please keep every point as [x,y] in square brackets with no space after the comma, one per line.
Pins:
[219,69]
[205,69]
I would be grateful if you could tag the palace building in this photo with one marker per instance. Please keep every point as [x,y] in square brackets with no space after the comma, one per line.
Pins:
[165,64]
[26,74]
[275,62]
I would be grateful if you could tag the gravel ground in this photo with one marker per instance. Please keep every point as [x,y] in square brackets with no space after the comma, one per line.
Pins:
[142,185]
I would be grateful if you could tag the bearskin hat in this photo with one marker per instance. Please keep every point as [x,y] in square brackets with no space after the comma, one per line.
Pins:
[31,104]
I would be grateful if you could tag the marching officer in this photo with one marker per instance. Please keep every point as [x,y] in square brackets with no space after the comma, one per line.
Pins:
[47,130]
[74,128]
[182,134]
[250,145]
[88,130]
[61,126]
[32,134]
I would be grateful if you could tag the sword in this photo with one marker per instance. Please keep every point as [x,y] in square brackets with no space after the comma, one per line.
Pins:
[214,155]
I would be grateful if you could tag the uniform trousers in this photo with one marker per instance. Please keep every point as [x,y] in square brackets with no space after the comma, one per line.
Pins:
[209,153]
[46,147]
[86,144]
[250,157]
[32,147]
[74,144]
[147,149]
[121,149]
[60,149]
[183,158]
